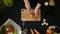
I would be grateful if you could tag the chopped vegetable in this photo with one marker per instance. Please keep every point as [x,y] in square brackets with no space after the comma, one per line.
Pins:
[8,29]
[32,15]
[55,33]
[15,32]
[8,3]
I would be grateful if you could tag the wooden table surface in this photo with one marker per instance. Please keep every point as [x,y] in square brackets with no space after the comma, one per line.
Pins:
[25,15]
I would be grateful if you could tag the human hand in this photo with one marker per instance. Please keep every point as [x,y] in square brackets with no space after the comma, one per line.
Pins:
[37,9]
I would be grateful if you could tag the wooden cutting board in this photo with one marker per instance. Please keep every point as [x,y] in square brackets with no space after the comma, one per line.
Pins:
[25,15]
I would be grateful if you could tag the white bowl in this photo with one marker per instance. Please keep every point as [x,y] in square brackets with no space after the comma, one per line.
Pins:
[16,26]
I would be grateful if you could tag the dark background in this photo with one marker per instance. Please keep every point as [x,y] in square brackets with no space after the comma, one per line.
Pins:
[51,14]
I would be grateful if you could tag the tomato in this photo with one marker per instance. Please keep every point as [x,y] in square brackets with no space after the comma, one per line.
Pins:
[11,29]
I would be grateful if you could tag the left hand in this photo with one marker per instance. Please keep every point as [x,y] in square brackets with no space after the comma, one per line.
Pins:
[36,9]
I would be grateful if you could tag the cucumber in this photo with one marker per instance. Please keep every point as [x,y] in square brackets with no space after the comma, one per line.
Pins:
[55,33]
[15,32]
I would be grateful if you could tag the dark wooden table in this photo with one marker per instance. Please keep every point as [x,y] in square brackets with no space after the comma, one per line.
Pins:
[50,13]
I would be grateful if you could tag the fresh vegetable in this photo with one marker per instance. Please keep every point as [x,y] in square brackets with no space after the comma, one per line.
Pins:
[52,30]
[32,15]
[8,29]
[55,33]
[15,32]
[49,31]
[2,6]
[8,3]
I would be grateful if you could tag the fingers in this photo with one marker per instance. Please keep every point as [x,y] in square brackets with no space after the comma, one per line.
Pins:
[36,31]
[32,32]
[37,9]
[36,12]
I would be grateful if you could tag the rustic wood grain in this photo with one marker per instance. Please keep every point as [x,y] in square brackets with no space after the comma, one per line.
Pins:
[25,15]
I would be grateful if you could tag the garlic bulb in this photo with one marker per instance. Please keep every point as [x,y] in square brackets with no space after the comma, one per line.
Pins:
[46,3]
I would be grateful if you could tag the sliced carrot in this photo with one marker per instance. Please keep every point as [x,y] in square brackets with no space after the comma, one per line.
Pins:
[32,32]
[36,31]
